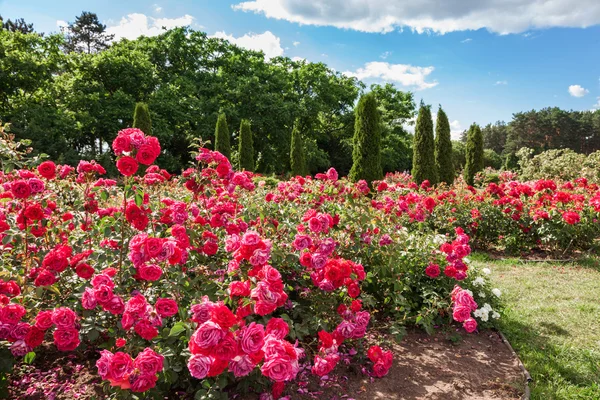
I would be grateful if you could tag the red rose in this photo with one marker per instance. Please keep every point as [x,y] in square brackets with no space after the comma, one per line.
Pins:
[149,362]
[20,189]
[353,290]
[432,270]
[223,316]
[166,307]
[43,320]
[12,313]
[150,272]
[64,317]
[142,382]
[47,169]
[121,144]
[120,342]
[145,329]
[44,278]
[84,271]
[66,339]
[146,155]
[571,217]
[34,337]
[127,165]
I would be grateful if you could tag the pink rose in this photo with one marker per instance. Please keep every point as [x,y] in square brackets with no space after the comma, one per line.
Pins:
[201,312]
[252,338]
[120,366]
[461,313]
[12,313]
[241,366]
[151,272]
[470,325]
[207,335]
[142,382]
[226,349]
[323,366]
[43,320]
[149,362]
[115,305]
[278,328]
[280,369]
[199,365]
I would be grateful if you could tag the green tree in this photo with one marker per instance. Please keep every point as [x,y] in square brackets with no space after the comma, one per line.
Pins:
[443,148]
[474,153]
[246,147]
[87,34]
[18,25]
[424,148]
[366,155]
[222,136]
[297,152]
[141,118]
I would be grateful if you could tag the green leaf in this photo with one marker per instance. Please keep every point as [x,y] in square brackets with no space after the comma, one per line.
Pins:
[139,199]
[177,329]
[29,357]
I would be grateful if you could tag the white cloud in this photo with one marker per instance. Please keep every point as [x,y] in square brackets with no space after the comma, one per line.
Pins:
[455,130]
[266,42]
[298,59]
[134,25]
[405,75]
[157,8]
[597,105]
[467,40]
[385,55]
[577,91]
[441,16]
[296,44]
[60,24]
[501,83]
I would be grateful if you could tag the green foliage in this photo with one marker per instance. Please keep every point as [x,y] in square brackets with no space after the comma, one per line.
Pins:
[424,167]
[222,136]
[458,155]
[18,25]
[562,164]
[366,155]
[16,154]
[141,118]
[297,153]
[474,154]
[492,159]
[396,108]
[443,149]
[246,147]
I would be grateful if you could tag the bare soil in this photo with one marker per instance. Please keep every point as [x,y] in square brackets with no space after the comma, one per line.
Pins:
[450,365]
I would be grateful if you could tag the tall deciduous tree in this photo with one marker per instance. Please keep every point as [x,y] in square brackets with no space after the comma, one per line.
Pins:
[246,147]
[443,148]
[297,152]
[366,155]
[474,153]
[222,144]
[141,118]
[87,34]
[424,148]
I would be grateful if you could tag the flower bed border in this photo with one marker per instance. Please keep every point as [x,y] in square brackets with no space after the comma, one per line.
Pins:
[528,379]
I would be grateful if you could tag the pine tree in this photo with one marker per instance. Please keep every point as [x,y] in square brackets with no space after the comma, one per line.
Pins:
[297,153]
[246,147]
[87,34]
[366,155]
[141,118]
[424,167]
[443,148]
[222,136]
[474,153]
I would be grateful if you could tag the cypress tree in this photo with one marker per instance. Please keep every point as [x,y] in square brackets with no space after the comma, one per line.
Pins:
[366,155]
[141,118]
[424,167]
[246,147]
[222,136]
[474,153]
[443,148]
[297,156]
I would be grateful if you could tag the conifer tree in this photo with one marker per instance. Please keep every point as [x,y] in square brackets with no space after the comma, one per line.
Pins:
[297,155]
[222,136]
[246,147]
[366,155]
[424,148]
[141,118]
[474,153]
[443,148]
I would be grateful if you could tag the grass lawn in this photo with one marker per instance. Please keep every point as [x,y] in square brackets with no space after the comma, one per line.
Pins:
[552,320]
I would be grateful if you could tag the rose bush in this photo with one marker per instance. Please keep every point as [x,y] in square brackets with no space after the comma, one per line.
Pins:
[212,280]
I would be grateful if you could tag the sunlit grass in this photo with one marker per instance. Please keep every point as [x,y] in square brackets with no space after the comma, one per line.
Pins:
[552,320]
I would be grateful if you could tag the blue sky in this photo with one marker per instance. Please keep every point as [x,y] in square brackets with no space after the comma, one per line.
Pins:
[482,60]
